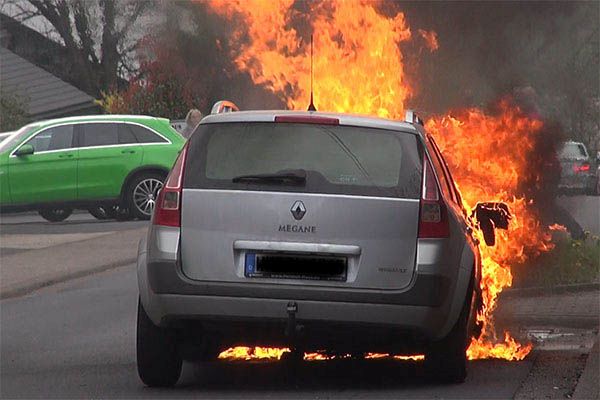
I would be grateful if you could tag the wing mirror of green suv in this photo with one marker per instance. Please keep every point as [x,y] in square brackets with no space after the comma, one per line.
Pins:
[24,150]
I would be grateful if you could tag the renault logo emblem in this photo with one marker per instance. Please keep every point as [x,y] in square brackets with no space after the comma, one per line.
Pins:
[298,210]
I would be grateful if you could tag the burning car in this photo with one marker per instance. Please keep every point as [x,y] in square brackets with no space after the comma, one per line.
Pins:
[308,230]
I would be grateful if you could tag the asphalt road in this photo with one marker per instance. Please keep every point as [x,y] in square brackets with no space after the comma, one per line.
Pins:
[79,222]
[77,339]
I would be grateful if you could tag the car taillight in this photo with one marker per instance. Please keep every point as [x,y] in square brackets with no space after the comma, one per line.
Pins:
[433,218]
[168,205]
[581,168]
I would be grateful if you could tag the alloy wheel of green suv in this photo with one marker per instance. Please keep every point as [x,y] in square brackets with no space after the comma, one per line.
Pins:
[111,165]
[143,193]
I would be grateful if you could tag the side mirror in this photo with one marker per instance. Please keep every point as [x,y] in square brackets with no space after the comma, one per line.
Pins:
[491,216]
[24,150]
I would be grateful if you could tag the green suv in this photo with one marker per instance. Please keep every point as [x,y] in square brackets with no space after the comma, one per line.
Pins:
[112,165]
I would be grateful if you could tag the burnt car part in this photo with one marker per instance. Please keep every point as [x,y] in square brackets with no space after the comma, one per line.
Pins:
[489,216]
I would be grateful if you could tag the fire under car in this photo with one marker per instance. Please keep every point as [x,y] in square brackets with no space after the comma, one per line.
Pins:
[309,230]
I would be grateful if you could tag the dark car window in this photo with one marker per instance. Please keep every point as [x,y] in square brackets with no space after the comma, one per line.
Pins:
[54,138]
[337,159]
[126,135]
[100,134]
[144,135]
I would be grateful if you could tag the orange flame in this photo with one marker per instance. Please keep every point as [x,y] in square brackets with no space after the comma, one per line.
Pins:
[253,353]
[430,38]
[354,44]
[358,68]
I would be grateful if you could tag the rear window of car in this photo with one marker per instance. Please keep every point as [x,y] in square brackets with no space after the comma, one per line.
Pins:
[573,150]
[337,159]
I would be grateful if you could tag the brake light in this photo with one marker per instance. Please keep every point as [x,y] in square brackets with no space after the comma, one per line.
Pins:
[581,168]
[168,205]
[433,217]
[307,119]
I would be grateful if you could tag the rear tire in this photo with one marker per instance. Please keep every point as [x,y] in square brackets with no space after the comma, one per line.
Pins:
[55,214]
[100,212]
[141,194]
[158,360]
[446,359]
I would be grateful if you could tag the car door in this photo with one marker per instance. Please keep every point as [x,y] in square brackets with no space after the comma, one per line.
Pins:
[50,173]
[107,155]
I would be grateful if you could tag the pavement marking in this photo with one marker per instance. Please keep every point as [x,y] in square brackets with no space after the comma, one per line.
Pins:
[42,241]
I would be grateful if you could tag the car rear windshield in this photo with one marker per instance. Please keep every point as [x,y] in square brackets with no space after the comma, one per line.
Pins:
[334,159]
[573,150]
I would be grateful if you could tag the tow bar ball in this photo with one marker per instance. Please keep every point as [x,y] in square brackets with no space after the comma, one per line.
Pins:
[491,216]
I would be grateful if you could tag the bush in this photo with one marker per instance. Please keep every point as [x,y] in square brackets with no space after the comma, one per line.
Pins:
[571,261]
[13,112]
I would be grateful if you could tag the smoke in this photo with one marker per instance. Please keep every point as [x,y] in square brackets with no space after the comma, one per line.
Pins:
[487,49]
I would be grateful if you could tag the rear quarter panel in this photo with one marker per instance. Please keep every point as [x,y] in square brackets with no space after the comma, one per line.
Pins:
[160,154]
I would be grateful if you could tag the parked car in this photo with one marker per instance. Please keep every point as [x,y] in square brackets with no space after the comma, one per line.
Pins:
[308,230]
[578,172]
[92,162]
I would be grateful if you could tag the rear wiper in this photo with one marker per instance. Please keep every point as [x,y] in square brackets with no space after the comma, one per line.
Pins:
[295,177]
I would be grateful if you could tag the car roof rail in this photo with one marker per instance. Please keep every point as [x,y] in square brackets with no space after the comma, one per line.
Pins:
[224,106]
[412,117]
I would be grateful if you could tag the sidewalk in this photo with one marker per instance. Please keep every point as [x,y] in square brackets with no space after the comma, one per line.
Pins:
[25,271]
[574,310]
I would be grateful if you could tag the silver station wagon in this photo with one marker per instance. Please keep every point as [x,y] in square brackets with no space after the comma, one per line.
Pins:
[314,231]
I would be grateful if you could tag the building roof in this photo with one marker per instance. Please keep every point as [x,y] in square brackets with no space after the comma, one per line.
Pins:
[46,95]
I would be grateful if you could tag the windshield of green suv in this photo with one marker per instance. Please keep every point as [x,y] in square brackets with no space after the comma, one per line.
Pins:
[305,157]
[16,137]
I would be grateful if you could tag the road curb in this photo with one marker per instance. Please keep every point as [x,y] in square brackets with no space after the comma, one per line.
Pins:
[587,386]
[550,291]
[563,321]
[23,290]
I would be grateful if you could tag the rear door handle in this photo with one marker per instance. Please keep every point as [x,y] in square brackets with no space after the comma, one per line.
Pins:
[65,156]
[128,151]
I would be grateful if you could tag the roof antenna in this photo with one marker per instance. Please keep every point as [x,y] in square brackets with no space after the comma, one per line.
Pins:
[311,106]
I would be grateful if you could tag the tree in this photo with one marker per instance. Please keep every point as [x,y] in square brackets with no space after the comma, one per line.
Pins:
[185,64]
[99,36]
[13,112]
[164,87]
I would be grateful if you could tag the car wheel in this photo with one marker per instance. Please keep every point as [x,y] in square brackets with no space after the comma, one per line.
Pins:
[158,360]
[142,193]
[446,359]
[100,212]
[55,214]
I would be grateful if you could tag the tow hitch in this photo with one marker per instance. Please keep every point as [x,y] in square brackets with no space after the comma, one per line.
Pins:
[291,331]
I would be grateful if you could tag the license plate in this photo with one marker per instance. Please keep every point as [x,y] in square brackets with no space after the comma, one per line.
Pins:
[295,266]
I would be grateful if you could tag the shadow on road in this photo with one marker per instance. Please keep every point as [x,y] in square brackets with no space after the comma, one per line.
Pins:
[316,375]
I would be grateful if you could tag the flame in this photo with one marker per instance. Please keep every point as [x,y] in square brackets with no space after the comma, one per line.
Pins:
[358,68]
[489,157]
[557,227]
[253,353]
[430,38]
[375,356]
[354,44]
[275,353]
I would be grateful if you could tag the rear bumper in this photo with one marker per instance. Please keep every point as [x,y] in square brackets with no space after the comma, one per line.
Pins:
[580,182]
[424,310]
